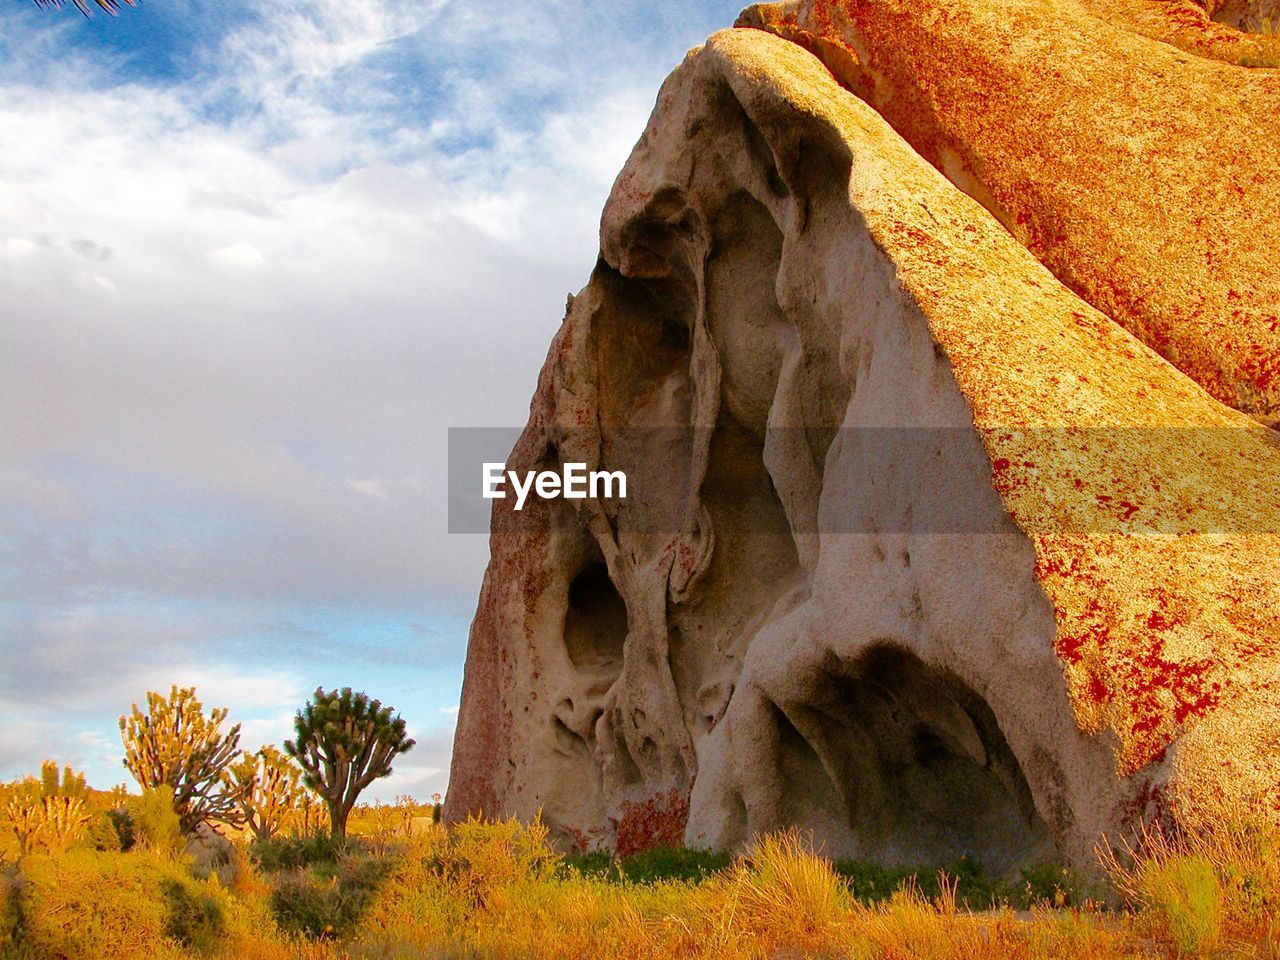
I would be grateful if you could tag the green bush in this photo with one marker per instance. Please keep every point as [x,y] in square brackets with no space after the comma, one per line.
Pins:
[293,853]
[102,833]
[1051,884]
[652,866]
[327,902]
[196,915]
[122,823]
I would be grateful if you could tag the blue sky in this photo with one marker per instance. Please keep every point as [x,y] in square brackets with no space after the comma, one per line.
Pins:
[255,259]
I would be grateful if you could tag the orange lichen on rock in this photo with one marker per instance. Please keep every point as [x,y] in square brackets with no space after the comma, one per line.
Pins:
[1142,176]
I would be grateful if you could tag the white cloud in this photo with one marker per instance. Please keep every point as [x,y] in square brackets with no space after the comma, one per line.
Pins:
[238,314]
[372,487]
[17,247]
[242,254]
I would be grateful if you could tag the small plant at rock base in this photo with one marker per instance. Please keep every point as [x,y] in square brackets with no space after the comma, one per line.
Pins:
[343,742]
[1184,891]
[1200,888]
[174,744]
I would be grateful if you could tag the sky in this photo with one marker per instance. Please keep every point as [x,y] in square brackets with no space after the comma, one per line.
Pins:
[255,260]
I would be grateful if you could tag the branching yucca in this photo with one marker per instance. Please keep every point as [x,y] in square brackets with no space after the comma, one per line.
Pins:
[310,816]
[52,824]
[25,822]
[268,788]
[174,744]
[69,784]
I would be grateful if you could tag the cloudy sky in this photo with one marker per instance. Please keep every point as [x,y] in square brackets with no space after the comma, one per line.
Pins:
[255,260]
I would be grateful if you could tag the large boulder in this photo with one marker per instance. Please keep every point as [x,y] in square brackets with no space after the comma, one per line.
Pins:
[921,551]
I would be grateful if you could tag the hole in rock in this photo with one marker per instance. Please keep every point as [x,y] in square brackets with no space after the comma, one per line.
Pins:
[893,761]
[595,624]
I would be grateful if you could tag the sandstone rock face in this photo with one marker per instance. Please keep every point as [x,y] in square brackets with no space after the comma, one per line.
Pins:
[922,551]
[1138,173]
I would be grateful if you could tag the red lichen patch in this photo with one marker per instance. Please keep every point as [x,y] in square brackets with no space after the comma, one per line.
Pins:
[1072,646]
[1163,694]
[579,838]
[1145,658]
[656,822]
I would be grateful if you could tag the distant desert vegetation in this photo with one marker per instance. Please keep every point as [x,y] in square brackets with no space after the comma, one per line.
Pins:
[92,875]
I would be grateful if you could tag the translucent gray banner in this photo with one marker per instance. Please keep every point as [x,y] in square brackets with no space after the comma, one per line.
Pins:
[916,480]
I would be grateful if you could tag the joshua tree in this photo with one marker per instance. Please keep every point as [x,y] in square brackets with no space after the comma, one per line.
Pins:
[175,744]
[344,742]
[52,822]
[268,789]
[71,784]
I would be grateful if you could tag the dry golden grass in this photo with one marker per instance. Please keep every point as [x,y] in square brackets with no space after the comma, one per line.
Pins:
[1205,892]
[497,890]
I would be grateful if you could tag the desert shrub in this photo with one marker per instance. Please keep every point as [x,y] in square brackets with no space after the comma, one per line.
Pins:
[1074,933]
[122,823]
[1184,892]
[478,857]
[662,863]
[96,906]
[597,863]
[385,827]
[196,912]
[101,833]
[327,903]
[292,853]
[153,822]
[871,883]
[781,893]
[414,910]
[1056,885]
[911,924]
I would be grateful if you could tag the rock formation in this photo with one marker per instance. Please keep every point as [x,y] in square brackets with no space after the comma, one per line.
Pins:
[938,342]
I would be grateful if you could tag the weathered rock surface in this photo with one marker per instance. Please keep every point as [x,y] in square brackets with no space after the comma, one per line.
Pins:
[1137,172]
[922,551]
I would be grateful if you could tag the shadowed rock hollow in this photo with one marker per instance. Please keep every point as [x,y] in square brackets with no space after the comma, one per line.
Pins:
[951,525]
